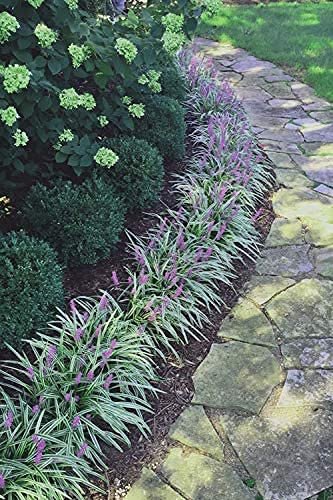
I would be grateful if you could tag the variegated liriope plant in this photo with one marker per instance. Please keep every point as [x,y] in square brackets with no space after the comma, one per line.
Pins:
[88,378]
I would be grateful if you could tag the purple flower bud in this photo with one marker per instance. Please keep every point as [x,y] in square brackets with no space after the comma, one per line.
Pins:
[52,351]
[34,438]
[81,451]
[221,231]
[210,226]
[30,373]
[106,354]
[68,397]
[78,334]
[90,375]
[76,399]
[114,278]
[85,316]
[222,193]
[103,303]
[143,278]
[178,291]
[108,381]
[76,422]
[38,458]
[41,445]
[180,242]
[72,306]
[35,409]
[78,378]
[2,482]
[208,253]
[130,280]
[138,256]
[98,330]
[9,420]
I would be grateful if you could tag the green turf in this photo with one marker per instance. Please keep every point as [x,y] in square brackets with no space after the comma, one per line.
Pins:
[296,36]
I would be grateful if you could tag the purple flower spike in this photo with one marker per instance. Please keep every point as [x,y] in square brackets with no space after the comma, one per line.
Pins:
[9,420]
[52,351]
[180,242]
[78,334]
[221,231]
[35,409]
[130,280]
[2,482]
[85,316]
[38,458]
[72,306]
[90,375]
[68,397]
[103,303]
[106,354]
[98,330]
[208,253]
[108,381]
[30,373]
[143,278]
[34,438]
[178,291]
[41,445]
[115,279]
[76,422]
[78,378]
[81,451]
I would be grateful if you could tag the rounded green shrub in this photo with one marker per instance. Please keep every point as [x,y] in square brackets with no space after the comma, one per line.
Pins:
[82,222]
[172,82]
[164,126]
[138,173]
[30,286]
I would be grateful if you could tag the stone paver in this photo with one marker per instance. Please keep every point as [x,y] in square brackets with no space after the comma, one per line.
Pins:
[194,429]
[275,361]
[258,329]
[308,353]
[202,478]
[290,453]
[225,380]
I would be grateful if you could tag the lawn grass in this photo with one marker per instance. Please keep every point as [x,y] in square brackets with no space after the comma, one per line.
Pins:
[296,36]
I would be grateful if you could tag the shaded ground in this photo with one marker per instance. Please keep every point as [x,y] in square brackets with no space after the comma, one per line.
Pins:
[298,37]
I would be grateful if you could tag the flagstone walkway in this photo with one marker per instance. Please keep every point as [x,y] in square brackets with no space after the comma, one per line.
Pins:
[261,420]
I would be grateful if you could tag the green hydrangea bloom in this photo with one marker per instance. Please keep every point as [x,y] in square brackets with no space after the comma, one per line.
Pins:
[79,54]
[8,26]
[72,4]
[9,115]
[126,49]
[213,7]
[21,138]
[106,157]
[137,110]
[102,120]
[46,36]
[143,79]
[66,136]
[151,78]
[127,100]
[36,3]
[173,22]
[87,101]
[69,99]
[172,42]
[15,78]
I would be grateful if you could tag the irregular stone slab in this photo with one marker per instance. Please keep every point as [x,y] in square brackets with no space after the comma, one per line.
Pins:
[251,64]
[290,453]
[306,388]
[230,76]
[283,135]
[317,105]
[285,232]
[253,95]
[247,323]
[318,148]
[323,258]
[236,375]
[279,89]
[320,132]
[304,310]
[279,77]
[323,116]
[305,93]
[261,289]
[292,178]
[302,203]
[324,190]
[281,160]
[304,122]
[202,478]
[289,261]
[308,353]
[284,103]
[150,487]
[319,169]
[280,147]
[267,121]
[320,232]
[194,429]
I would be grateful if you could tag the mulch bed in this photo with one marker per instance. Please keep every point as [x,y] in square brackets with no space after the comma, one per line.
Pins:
[175,374]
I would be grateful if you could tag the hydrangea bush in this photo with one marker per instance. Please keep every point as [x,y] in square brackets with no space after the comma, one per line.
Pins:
[61,70]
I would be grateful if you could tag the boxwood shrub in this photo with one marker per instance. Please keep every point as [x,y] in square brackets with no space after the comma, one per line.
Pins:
[138,174]
[82,222]
[172,82]
[164,126]
[30,286]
